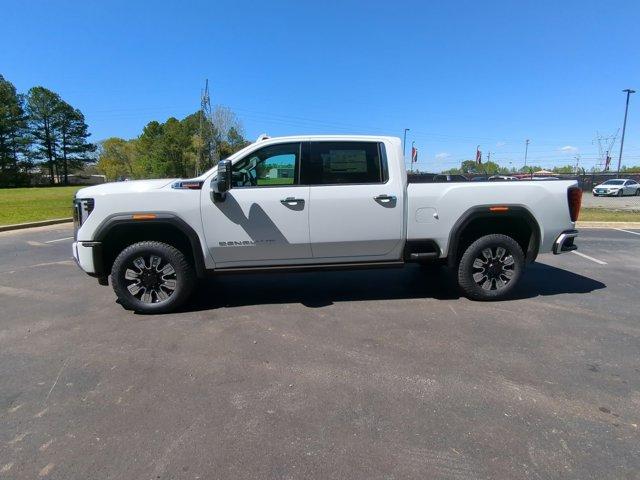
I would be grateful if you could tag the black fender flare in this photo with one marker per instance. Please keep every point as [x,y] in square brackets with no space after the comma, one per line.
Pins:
[503,210]
[155,218]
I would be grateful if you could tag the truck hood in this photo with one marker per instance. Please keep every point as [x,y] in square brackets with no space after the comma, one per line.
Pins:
[124,187]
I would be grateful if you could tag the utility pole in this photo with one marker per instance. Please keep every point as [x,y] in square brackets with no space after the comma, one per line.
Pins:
[624,125]
[526,150]
[204,151]
[412,147]
[404,145]
[605,147]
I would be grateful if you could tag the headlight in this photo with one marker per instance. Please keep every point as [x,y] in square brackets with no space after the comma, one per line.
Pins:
[82,208]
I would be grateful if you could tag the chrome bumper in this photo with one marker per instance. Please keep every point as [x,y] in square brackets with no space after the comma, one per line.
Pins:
[565,242]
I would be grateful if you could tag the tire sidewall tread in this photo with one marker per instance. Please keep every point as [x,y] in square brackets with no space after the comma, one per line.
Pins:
[465,267]
[185,276]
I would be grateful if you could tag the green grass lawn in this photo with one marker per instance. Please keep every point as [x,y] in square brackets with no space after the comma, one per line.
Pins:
[602,215]
[19,205]
[275,181]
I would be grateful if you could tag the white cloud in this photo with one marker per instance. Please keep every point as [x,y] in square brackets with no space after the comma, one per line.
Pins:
[442,155]
[500,144]
[569,149]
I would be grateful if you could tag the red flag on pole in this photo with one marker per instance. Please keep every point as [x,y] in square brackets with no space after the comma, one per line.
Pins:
[414,155]
[478,155]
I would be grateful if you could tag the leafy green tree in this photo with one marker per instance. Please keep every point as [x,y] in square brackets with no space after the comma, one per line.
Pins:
[170,149]
[530,168]
[116,158]
[14,138]
[564,169]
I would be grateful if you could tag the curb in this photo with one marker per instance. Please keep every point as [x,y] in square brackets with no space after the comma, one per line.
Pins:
[608,225]
[42,223]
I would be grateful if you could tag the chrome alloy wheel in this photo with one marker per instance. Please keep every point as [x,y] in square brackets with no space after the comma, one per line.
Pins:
[493,269]
[151,279]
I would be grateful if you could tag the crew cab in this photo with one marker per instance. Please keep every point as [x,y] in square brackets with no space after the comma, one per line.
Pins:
[314,202]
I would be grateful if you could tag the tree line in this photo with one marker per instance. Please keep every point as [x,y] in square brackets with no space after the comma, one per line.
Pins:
[40,135]
[493,168]
[175,148]
[45,139]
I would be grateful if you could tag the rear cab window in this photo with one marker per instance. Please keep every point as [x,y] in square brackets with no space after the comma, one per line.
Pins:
[343,163]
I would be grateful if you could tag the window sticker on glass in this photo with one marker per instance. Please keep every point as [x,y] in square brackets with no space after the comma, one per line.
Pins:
[352,161]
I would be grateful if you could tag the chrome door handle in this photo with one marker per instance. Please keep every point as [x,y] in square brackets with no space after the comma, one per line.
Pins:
[291,200]
[385,198]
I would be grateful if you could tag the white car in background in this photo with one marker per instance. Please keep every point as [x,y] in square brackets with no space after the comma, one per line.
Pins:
[617,187]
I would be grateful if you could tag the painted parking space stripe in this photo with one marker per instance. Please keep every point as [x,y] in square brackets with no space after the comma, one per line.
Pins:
[627,231]
[599,262]
[59,240]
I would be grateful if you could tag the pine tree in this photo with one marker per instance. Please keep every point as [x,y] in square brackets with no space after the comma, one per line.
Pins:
[59,133]
[43,107]
[73,133]
[14,141]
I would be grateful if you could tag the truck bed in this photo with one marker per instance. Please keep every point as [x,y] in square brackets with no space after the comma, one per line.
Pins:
[434,208]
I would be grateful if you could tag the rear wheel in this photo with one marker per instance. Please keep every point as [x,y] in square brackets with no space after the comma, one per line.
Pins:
[152,277]
[490,267]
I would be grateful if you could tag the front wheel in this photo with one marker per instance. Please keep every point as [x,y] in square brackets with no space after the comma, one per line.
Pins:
[490,267]
[152,277]
[620,193]
[638,193]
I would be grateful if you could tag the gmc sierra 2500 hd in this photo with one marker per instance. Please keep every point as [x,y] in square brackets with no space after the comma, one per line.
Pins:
[311,202]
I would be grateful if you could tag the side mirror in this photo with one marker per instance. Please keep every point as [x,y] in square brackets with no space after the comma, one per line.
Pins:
[222,183]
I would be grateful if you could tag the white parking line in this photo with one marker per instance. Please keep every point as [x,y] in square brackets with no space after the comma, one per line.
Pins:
[59,240]
[600,262]
[627,231]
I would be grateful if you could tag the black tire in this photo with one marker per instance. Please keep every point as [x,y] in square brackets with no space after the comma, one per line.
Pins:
[493,277]
[638,193]
[161,283]
[620,193]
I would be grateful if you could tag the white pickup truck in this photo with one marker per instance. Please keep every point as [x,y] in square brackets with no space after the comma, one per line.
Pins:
[313,202]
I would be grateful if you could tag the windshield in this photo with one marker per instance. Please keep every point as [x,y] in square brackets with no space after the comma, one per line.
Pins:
[613,182]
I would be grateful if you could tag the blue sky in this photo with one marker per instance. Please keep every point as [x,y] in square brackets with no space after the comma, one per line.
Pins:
[457,73]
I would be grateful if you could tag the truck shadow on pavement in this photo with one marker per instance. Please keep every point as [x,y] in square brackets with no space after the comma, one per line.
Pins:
[320,289]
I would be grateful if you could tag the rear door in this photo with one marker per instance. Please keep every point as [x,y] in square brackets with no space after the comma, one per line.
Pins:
[356,206]
[629,187]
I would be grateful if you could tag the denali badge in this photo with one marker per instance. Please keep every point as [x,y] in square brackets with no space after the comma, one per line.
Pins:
[244,243]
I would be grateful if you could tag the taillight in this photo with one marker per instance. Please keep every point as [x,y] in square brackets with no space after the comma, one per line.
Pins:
[574,196]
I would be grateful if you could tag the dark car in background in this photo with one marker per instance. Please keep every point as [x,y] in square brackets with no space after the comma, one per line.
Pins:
[450,178]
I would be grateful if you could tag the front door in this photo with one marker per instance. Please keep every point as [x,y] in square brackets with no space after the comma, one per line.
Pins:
[263,219]
[356,207]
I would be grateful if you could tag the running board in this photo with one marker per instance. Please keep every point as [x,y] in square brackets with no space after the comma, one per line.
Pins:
[310,267]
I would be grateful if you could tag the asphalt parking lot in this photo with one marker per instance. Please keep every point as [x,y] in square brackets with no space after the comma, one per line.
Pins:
[627,202]
[383,374]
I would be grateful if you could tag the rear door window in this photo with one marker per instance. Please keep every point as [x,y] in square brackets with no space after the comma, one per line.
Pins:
[348,163]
